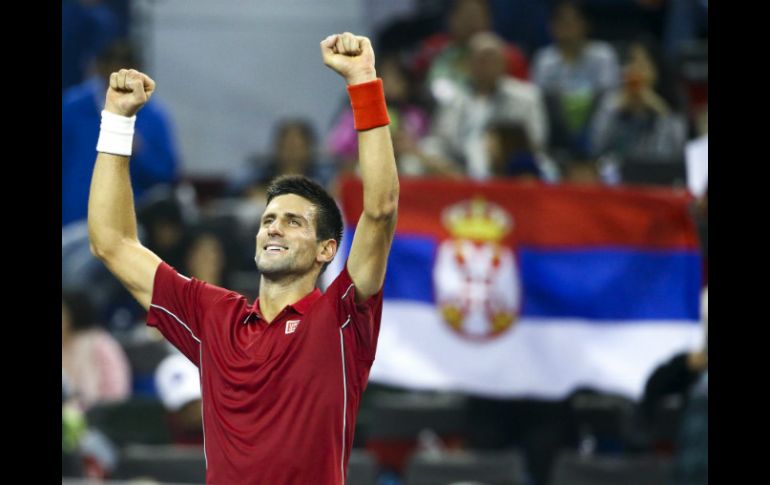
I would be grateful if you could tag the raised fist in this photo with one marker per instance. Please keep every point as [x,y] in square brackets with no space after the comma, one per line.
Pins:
[129,90]
[351,56]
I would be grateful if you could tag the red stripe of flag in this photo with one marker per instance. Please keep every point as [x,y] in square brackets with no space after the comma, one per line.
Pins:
[549,216]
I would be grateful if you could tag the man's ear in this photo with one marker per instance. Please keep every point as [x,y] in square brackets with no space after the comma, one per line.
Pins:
[328,249]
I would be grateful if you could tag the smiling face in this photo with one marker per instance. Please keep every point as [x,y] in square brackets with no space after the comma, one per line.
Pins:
[286,242]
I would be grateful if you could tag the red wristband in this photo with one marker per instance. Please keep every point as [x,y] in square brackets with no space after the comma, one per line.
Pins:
[368,102]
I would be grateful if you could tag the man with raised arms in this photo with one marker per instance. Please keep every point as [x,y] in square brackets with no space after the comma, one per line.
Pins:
[281,378]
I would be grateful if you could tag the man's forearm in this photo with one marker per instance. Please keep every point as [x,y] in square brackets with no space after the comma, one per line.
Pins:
[111,214]
[353,58]
[378,172]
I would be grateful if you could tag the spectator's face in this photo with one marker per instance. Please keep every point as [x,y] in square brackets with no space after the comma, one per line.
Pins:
[568,25]
[206,259]
[487,65]
[394,82]
[286,241]
[294,151]
[582,173]
[470,17]
[166,234]
[639,72]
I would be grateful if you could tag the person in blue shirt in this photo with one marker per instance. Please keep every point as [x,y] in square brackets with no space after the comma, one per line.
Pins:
[87,27]
[155,157]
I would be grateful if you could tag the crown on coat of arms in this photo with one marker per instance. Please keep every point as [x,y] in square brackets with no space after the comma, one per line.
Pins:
[477,220]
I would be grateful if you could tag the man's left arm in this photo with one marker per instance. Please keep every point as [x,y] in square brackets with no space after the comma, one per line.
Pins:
[352,57]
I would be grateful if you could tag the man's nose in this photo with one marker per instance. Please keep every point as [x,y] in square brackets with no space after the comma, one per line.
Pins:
[274,228]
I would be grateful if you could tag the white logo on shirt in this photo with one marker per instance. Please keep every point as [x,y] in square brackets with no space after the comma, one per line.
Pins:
[291,326]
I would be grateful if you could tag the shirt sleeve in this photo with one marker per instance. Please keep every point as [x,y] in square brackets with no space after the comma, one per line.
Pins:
[362,318]
[178,308]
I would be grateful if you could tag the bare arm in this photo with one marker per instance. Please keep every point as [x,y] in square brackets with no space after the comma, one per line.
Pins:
[111,216]
[353,58]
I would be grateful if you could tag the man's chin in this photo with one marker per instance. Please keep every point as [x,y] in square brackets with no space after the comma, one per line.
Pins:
[280,271]
[270,269]
[274,271]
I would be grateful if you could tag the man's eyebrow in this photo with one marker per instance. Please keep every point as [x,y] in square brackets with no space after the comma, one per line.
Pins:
[298,216]
[286,214]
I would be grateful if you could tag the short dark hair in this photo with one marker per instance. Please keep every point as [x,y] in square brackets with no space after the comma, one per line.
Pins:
[562,5]
[328,221]
[80,307]
[121,52]
[302,125]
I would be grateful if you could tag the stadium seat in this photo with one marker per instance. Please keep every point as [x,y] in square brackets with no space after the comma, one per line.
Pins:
[605,417]
[391,423]
[362,468]
[144,356]
[489,468]
[138,420]
[667,173]
[572,469]
[404,416]
[177,464]
[667,420]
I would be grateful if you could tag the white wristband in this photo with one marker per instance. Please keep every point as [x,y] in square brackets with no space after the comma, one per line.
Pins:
[116,135]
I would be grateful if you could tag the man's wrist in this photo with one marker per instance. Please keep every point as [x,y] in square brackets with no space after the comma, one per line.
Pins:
[361,77]
[117,112]
[368,102]
[116,134]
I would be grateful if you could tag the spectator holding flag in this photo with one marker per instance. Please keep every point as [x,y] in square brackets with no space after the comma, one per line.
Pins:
[634,121]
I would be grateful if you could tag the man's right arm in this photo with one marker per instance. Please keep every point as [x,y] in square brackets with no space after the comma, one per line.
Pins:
[111,215]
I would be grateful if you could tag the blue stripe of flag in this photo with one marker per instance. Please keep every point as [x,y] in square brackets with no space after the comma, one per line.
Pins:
[598,284]
[611,284]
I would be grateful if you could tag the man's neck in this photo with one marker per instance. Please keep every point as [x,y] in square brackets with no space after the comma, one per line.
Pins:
[276,294]
[571,51]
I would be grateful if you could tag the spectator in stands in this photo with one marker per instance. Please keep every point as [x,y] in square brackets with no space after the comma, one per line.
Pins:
[457,135]
[94,365]
[691,466]
[409,121]
[634,122]
[294,151]
[686,20]
[675,378]
[155,159]
[178,384]
[443,60]
[164,225]
[581,168]
[205,254]
[573,73]
[510,151]
[87,26]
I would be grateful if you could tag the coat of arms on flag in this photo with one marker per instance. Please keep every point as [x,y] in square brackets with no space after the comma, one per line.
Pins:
[475,277]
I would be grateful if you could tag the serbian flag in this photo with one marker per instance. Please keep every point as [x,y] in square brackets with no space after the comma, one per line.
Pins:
[510,289]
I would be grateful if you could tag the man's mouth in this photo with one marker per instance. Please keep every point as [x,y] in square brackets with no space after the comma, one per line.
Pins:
[274,248]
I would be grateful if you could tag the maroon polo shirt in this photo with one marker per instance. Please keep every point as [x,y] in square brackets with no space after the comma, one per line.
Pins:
[280,399]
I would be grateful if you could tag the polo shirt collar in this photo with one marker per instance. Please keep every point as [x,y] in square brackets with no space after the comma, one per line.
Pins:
[299,307]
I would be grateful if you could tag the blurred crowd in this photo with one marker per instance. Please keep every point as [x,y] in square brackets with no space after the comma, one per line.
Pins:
[604,92]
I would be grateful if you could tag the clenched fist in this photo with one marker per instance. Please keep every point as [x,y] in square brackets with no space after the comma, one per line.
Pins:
[129,90]
[351,56]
